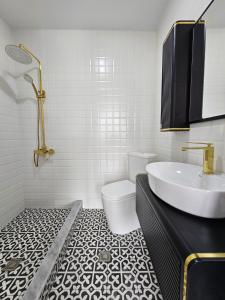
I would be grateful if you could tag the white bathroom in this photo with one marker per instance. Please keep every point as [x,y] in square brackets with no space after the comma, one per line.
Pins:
[112,149]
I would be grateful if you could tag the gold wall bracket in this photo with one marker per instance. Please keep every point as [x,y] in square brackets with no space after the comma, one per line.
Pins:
[41,94]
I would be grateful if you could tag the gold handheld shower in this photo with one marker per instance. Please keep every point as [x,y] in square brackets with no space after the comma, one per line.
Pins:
[22,55]
[30,80]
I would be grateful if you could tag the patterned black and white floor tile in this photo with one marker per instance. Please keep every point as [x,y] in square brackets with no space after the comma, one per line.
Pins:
[28,237]
[129,275]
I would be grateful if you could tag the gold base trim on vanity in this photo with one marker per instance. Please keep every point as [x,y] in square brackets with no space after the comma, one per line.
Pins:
[174,129]
[191,258]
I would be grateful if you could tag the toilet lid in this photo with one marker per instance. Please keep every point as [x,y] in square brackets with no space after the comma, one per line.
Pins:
[119,190]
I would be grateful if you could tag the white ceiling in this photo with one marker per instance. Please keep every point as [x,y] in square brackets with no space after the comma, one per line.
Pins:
[215,15]
[83,14]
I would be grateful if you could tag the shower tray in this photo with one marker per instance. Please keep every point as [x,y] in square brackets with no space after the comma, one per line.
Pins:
[26,244]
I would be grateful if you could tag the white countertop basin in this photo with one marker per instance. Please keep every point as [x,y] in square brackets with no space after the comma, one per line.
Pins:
[185,187]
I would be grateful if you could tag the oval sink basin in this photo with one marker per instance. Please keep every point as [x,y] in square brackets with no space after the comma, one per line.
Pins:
[185,187]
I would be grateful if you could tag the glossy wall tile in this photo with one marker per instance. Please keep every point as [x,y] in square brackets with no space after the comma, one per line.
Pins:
[100,89]
[11,164]
[103,100]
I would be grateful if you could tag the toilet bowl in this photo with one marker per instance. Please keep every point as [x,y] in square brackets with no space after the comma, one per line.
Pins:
[119,201]
[119,198]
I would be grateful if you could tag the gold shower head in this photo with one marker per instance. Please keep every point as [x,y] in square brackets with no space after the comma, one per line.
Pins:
[19,54]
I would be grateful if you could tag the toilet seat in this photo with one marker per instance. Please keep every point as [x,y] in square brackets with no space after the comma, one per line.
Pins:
[119,191]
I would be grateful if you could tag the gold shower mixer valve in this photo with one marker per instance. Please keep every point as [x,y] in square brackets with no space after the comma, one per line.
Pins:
[41,94]
[44,151]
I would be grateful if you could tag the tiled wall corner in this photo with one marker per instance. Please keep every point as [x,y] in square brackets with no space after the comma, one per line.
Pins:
[11,166]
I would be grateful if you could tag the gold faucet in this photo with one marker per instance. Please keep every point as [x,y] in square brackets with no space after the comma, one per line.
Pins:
[208,157]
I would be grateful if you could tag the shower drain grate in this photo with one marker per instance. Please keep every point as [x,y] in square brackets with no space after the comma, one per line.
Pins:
[12,264]
[104,256]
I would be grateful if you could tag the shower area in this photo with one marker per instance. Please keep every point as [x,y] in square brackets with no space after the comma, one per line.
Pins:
[72,105]
[23,55]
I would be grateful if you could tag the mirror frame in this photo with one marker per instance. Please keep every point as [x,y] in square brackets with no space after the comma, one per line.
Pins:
[217,117]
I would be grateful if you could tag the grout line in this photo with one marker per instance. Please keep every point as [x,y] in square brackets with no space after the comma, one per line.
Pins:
[41,277]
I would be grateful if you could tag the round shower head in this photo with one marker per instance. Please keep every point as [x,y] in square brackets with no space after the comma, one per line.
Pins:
[18,54]
[28,78]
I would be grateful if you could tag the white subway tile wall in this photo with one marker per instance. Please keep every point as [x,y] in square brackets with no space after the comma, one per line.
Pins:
[103,100]
[100,89]
[11,166]
[214,81]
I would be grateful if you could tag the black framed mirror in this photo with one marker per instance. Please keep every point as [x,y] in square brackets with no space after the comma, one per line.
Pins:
[212,99]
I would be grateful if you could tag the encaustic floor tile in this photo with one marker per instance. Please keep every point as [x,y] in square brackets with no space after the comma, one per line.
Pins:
[27,237]
[129,274]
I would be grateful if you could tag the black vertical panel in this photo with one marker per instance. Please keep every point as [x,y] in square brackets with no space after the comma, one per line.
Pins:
[182,71]
[167,81]
[176,73]
[197,73]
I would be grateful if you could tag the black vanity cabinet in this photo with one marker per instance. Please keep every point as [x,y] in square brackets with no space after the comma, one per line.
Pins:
[179,70]
[187,252]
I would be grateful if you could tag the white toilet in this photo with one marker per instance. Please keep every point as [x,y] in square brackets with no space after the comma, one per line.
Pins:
[119,198]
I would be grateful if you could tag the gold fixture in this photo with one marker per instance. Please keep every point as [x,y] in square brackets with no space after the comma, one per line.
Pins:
[42,150]
[190,259]
[23,55]
[174,129]
[190,22]
[208,157]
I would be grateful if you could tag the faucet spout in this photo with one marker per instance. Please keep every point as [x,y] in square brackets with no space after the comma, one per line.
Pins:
[192,148]
[208,156]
